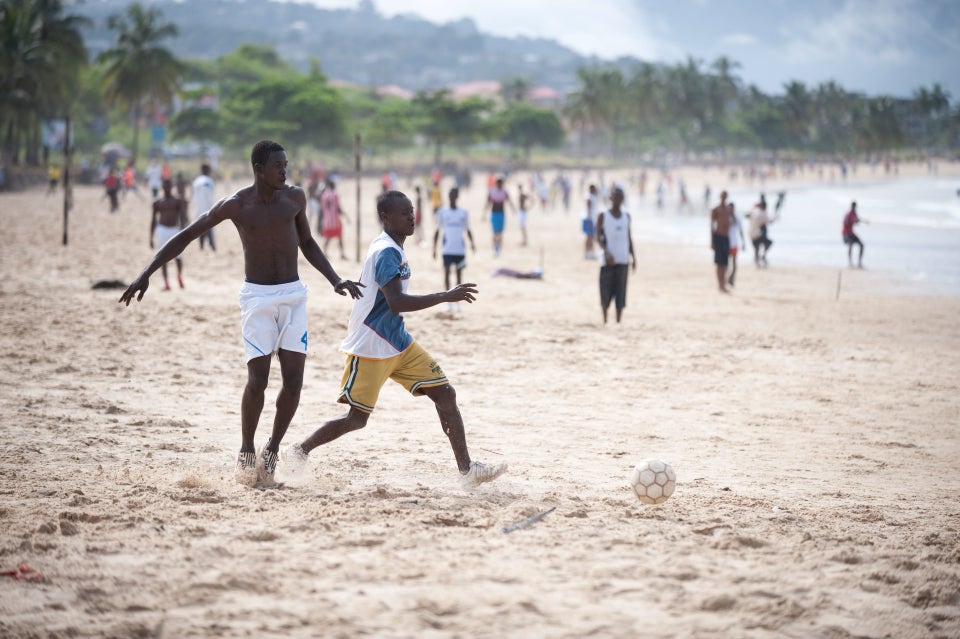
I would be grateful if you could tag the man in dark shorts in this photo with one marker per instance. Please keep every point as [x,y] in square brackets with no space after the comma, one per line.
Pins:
[720,239]
[849,237]
[615,240]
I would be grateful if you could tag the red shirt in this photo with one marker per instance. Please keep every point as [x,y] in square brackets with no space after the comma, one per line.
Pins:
[848,221]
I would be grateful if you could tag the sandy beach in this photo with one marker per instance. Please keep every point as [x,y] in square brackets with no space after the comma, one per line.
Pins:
[815,441]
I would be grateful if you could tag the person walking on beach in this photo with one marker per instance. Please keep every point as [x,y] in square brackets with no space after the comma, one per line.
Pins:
[850,238]
[616,242]
[758,232]
[497,200]
[112,185]
[453,223]
[154,178]
[202,190]
[331,217]
[720,218]
[589,223]
[271,219]
[378,347]
[736,243]
[168,218]
[522,200]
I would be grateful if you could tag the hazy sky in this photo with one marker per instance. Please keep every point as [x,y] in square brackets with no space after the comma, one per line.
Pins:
[874,46]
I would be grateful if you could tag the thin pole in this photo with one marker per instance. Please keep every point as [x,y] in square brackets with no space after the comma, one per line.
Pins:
[66,182]
[356,155]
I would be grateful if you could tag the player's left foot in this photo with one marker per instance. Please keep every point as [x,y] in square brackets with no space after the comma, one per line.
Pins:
[266,467]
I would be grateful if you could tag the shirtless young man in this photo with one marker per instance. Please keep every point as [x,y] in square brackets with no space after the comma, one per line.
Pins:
[169,218]
[720,239]
[271,219]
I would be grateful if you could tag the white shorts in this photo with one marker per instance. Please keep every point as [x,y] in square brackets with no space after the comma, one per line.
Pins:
[164,233]
[522,219]
[273,316]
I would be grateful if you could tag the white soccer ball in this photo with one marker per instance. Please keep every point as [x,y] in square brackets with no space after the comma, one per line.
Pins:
[653,481]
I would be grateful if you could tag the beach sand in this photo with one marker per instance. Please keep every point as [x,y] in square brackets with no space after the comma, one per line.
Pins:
[815,442]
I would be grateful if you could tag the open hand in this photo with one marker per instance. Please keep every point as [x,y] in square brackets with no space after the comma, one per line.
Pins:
[463,293]
[140,284]
[348,286]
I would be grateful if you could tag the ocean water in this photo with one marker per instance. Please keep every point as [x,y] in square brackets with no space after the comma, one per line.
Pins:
[912,234]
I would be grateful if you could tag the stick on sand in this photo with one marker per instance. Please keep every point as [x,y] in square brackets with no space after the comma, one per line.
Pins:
[529,521]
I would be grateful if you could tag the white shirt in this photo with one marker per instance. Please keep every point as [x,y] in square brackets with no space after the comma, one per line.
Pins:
[734,232]
[203,197]
[453,223]
[616,231]
[155,176]
[758,219]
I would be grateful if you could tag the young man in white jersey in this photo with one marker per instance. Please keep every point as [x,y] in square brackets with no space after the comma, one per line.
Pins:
[453,223]
[204,198]
[613,237]
[378,346]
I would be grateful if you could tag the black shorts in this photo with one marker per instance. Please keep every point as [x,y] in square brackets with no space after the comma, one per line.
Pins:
[455,260]
[851,238]
[613,285]
[721,249]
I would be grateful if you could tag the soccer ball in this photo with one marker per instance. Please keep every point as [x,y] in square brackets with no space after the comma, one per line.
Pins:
[653,481]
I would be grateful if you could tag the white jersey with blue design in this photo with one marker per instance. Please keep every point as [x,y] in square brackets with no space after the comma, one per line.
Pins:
[376,332]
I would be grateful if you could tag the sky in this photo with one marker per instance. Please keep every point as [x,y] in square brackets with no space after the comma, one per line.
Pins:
[873,46]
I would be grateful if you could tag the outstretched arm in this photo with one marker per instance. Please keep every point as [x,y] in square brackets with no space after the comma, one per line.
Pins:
[311,251]
[400,302]
[220,211]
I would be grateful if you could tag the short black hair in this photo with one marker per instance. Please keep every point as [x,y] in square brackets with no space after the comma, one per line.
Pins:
[262,150]
[388,199]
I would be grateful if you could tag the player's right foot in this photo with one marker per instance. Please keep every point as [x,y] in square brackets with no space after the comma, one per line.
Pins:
[294,460]
[246,468]
[481,473]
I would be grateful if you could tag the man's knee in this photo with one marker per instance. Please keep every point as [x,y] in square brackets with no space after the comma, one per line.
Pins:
[443,396]
[257,381]
[293,382]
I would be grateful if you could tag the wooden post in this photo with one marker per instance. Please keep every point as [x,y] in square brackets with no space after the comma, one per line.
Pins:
[67,195]
[356,155]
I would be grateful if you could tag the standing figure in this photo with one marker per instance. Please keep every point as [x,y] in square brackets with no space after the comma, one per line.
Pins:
[331,216]
[850,238]
[614,238]
[589,223]
[453,223]
[720,239]
[168,218]
[202,190]
[736,243]
[497,200]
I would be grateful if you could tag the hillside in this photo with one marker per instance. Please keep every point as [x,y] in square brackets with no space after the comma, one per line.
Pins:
[355,45]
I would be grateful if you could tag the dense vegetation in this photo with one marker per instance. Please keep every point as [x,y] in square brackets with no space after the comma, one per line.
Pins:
[137,83]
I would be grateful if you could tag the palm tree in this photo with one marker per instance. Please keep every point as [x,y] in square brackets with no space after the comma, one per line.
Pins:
[41,54]
[138,70]
[797,106]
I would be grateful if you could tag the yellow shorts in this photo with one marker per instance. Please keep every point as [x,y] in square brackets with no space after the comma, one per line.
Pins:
[363,378]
